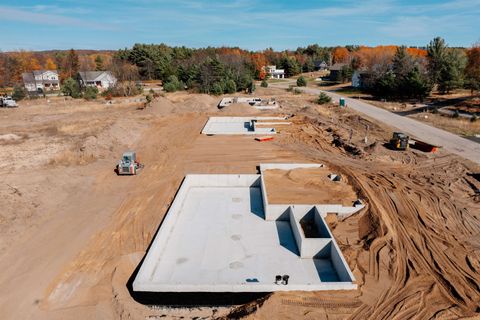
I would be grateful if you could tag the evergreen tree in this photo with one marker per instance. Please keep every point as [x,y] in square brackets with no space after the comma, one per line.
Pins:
[90,93]
[99,63]
[385,85]
[71,88]
[19,93]
[346,73]
[172,84]
[415,85]
[217,88]
[402,62]
[301,82]
[309,65]
[452,71]
[291,66]
[436,54]
[230,86]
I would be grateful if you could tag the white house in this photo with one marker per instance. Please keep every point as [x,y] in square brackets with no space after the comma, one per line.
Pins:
[356,81]
[359,77]
[100,79]
[275,73]
[41,80]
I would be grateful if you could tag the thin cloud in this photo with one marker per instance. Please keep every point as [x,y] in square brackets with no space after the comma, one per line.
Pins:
[28,16]
[249,23]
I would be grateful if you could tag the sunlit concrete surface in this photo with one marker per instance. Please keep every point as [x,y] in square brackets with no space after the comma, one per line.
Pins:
[257,103]
[215,238]
[242,125]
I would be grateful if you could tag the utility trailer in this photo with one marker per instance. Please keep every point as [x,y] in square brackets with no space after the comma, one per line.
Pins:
[423,146]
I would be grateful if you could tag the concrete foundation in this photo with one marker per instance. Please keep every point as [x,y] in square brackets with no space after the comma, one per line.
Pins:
[257,103]
[279,211]
[242,125]
[216,237]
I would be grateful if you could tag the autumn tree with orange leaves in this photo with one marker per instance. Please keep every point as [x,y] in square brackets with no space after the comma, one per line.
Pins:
[49,64]
[259,61]
[340,55]
[472,70]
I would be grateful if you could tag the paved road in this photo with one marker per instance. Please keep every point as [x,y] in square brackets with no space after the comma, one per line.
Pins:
[451,142]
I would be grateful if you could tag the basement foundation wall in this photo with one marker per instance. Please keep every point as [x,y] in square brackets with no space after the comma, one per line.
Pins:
[242,125]
[216,238]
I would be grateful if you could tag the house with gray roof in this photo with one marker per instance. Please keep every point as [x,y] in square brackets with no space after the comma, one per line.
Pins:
[41,81]
[100,79]
[336,71]
[320,65]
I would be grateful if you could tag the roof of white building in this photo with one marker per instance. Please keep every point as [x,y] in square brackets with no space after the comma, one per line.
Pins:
[29,77]
[40,72]
[94,75]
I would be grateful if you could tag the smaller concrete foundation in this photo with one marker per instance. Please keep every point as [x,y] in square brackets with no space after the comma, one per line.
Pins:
[257,103]
[242,125]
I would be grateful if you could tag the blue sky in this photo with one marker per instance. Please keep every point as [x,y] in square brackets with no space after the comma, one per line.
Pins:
[250,24]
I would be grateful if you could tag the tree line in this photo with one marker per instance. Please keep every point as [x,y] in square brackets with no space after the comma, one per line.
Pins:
[389,71]
[403,74]
[66,62]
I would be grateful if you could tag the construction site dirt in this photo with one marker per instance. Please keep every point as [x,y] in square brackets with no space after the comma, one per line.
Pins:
[73,233]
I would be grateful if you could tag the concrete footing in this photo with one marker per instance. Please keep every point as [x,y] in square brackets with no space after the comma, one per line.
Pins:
[257,103]
[242,125]
[221,235]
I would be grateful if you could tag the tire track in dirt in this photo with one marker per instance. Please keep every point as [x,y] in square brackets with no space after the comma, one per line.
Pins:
[425,226]
[416,257]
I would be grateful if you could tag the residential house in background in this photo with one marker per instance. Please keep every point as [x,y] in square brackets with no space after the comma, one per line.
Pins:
[358,78]
[100,79]
[320,65]
[41,81]
[275,73]
[336,71]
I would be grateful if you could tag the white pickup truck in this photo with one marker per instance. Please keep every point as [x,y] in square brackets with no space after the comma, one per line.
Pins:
[7,102]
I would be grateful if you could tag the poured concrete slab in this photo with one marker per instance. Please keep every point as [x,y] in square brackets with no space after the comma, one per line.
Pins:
[215,238]
[242,125]
[257,103]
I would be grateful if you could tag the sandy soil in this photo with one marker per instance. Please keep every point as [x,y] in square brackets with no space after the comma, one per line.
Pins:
[73,233]
[307,186]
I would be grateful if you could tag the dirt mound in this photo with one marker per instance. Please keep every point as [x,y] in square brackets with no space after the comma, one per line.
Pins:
[197,103]
[182,103]
[161,106]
